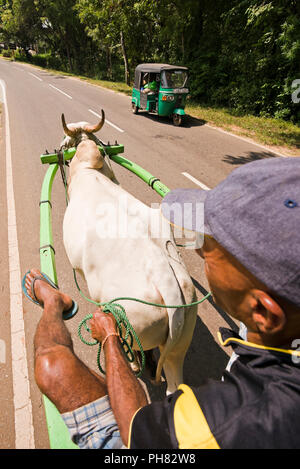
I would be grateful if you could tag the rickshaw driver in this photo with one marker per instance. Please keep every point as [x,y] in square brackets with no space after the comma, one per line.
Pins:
[149,87]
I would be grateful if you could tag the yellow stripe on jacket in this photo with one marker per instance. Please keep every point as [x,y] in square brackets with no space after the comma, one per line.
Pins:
[191,427]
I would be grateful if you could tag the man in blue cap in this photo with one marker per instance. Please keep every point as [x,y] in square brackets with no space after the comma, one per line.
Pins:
[251,252]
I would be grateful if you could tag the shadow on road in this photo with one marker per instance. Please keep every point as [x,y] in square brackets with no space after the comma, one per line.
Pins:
[204,360]
[231,324]
[187,121]
[194,122]
[251,156]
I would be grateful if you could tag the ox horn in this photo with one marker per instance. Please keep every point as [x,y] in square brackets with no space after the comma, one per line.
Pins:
[91,129]
[65,127]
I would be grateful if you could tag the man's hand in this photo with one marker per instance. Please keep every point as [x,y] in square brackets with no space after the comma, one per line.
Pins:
[102,324]
[126,394]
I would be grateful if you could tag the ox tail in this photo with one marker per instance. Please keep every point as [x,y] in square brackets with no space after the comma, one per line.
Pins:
[182,320]
[166,349]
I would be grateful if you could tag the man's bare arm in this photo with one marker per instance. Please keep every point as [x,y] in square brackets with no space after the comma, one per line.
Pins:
[125,392]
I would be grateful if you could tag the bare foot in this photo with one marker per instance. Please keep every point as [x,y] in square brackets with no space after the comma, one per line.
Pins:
[45,293]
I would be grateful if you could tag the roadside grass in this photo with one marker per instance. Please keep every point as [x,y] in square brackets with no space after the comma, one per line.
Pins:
[114,86]
[277,134]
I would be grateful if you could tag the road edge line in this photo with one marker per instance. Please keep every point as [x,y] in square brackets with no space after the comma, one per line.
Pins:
[24,430]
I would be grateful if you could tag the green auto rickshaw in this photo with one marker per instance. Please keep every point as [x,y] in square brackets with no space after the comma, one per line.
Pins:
[160,89]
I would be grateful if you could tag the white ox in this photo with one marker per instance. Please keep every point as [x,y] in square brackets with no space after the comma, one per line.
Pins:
[123,248]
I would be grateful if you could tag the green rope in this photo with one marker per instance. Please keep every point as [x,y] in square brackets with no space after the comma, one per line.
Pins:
[127,342]
[120,316]
[137,300]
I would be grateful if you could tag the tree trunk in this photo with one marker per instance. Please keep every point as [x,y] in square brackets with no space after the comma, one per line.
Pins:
[127,75]
[67,49]
[109,63]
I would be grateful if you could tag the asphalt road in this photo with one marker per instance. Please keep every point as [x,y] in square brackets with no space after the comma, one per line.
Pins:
[190,156]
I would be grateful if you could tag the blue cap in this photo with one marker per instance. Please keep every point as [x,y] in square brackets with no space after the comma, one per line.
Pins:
[255,215]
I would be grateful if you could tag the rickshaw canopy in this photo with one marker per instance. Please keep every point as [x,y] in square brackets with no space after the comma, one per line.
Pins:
[153,68]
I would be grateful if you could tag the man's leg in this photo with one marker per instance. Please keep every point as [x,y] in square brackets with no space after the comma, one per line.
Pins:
[60,375]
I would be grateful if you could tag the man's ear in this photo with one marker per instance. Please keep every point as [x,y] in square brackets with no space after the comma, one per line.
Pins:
[267,314]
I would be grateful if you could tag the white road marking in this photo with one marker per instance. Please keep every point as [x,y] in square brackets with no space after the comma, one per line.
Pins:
[107,122]
[38,78]
[62,92]
[24,432]
[195,181]
[2,351]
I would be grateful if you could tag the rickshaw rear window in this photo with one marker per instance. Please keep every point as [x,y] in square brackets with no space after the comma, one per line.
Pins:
[174,79]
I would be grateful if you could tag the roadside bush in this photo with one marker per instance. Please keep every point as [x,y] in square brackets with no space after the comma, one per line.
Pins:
[39,59]
[20,55]
[46,60]
[7,53]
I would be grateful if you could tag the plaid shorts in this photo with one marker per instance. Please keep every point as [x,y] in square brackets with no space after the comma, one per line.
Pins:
[93,426]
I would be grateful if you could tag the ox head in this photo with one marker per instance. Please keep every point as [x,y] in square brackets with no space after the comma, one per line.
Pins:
[81,135]
[77,133]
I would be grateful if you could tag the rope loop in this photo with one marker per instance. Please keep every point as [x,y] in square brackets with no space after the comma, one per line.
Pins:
[123,325]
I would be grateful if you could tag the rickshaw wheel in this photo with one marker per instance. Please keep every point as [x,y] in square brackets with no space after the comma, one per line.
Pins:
[177,120]
[134,107]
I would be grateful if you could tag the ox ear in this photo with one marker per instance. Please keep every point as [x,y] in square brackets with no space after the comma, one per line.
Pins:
[91,129]
[65,127]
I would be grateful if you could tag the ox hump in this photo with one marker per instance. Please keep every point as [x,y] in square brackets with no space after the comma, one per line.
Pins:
[87,151]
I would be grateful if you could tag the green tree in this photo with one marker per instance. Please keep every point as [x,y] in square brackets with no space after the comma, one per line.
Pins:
[66,36]
[19,22]
[242,54]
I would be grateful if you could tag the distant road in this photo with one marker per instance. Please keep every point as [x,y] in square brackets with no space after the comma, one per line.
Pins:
[192,156]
